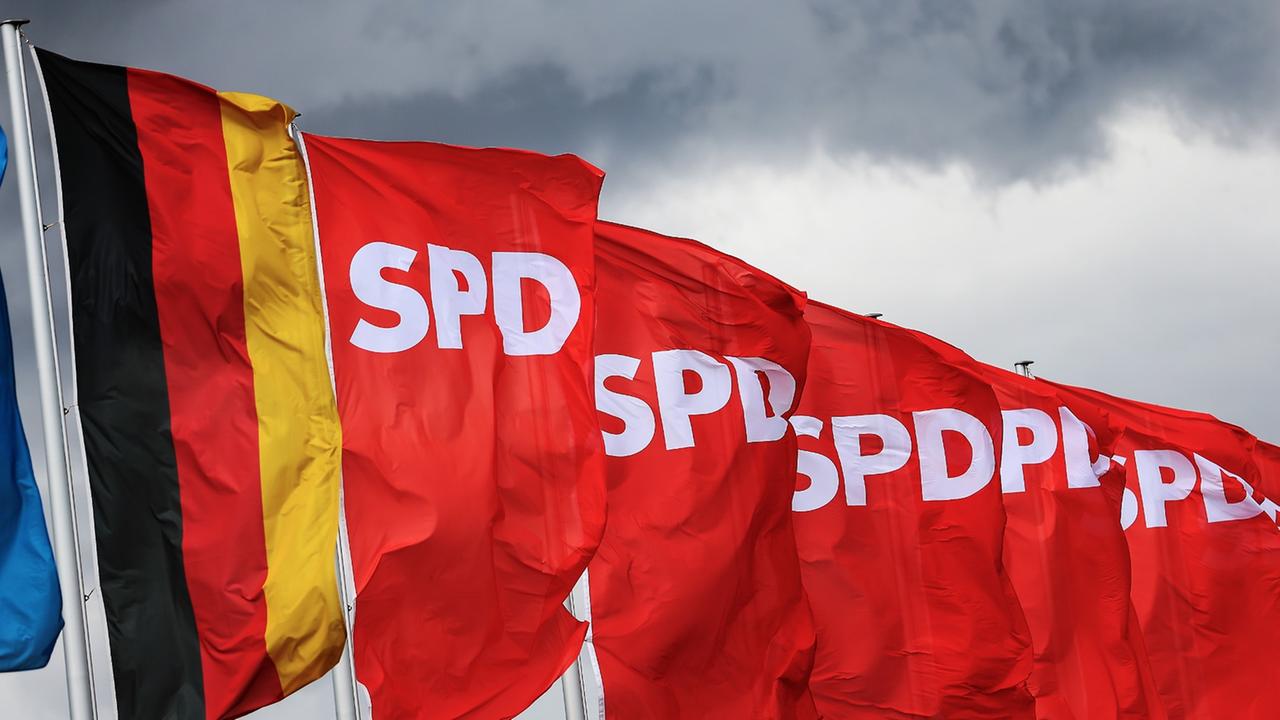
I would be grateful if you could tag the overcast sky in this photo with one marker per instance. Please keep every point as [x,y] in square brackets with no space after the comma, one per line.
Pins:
[1093,185]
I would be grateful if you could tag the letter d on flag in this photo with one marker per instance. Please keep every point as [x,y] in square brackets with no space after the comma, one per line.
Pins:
[30,605]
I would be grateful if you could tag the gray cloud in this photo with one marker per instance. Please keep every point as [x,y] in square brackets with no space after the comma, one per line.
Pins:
[1015,89]
[536,108]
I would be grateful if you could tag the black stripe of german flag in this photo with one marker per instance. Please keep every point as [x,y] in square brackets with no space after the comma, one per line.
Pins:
[193,280]
[120,376]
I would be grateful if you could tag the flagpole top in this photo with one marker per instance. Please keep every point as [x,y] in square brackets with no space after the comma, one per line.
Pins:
[16,22]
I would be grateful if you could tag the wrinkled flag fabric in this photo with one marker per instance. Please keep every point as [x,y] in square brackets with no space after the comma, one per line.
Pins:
[1065,551]
[460,286]
[900,526]
[695,600]
[1205,553]
[208,416]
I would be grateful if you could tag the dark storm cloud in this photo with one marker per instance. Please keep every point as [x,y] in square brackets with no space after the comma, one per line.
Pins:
[1020,88]
[536,108]
[1014,89]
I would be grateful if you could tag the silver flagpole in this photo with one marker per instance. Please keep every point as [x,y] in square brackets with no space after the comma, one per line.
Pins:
[344,674]
[75,638]
[571,681]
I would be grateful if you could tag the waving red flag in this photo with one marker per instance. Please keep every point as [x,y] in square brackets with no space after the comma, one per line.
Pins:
[1206,558]
[1067,556]
[460,288]
[1090,661]
[900,526]
[695,599]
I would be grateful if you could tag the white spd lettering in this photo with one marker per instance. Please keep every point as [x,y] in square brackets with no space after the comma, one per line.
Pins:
[1152,468]
[892,451]
[675,404]
[1042,441]
[1272,510]
[935,482]
[1217,507]
[824,480]
[1016,455]
[1082,472]
[679,401]
[1030,437]
[1167,476]
[460,288]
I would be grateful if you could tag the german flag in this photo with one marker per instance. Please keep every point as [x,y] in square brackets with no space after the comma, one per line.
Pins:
[204,393]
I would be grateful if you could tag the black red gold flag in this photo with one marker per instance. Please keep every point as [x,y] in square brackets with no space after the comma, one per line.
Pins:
[208,416]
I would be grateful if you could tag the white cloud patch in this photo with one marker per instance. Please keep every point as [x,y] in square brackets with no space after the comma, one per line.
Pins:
[1152,276]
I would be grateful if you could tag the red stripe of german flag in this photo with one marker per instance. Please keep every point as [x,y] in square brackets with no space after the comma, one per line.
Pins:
[209,420]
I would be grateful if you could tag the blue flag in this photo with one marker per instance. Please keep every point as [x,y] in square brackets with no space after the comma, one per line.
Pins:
[30,603]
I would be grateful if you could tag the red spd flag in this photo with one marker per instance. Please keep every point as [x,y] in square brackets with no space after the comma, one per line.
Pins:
[1066,554]
[900,524]
[695,599]
[460,294]
[1206,557]
[1090,661]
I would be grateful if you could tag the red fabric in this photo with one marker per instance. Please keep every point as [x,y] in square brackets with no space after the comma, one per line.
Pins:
[199,300]
[473,475]
[1206,561]
[916,615]
[1091,661]
[1066,554]
[696,604]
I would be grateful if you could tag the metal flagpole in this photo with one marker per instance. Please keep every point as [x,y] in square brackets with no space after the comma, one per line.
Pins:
[571,682]
[344,675]
[75,638]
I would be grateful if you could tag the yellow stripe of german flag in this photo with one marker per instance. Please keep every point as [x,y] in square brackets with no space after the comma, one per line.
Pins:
[299,436]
